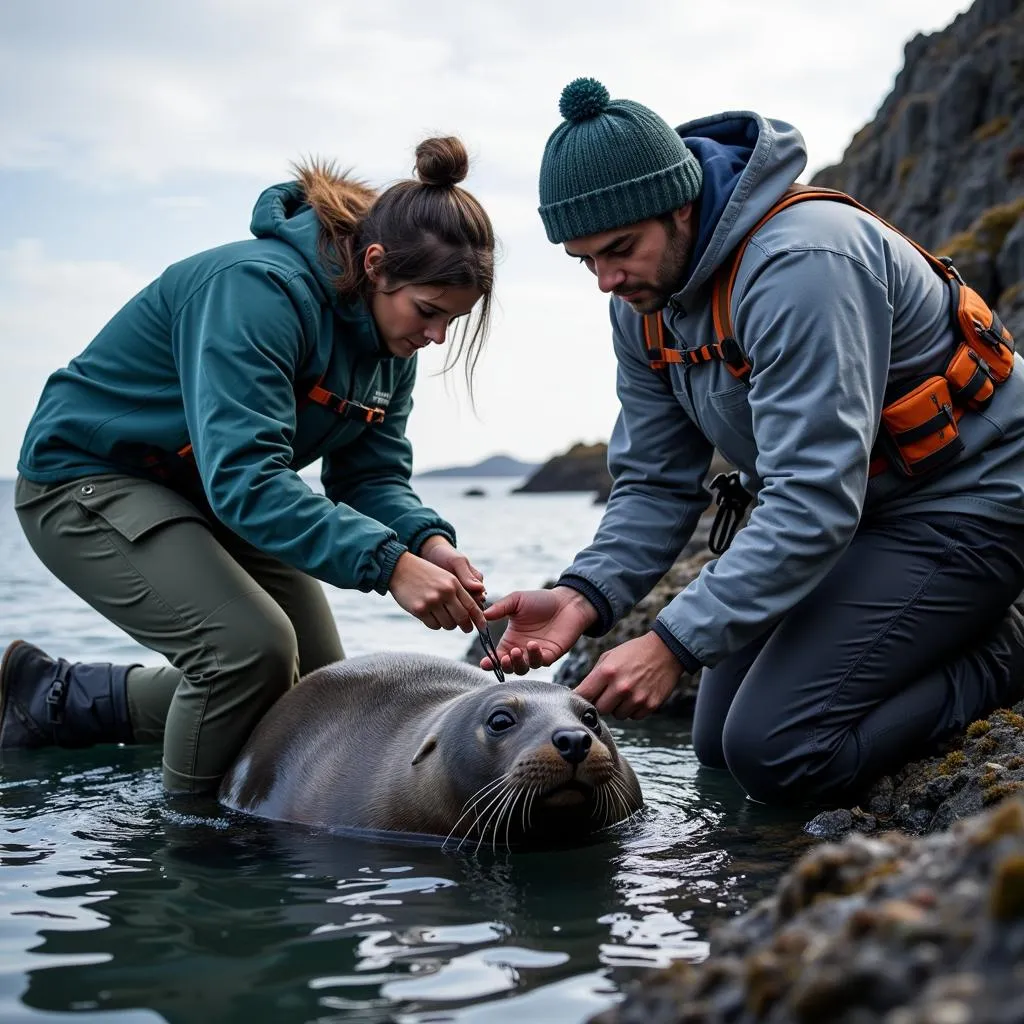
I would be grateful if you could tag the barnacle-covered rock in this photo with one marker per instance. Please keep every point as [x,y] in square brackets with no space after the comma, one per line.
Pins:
[892,928]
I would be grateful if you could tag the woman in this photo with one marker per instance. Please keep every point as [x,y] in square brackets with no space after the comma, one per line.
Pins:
[159,479]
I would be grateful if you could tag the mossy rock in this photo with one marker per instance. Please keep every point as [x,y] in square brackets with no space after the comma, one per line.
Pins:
[875,931]
[991,129]
[905,167]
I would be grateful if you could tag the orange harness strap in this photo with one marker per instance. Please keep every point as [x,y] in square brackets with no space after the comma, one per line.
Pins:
[660,355]
[968,309]
[920,427]
[345,406]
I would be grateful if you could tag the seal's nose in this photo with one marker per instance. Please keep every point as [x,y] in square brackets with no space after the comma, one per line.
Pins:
[572,744]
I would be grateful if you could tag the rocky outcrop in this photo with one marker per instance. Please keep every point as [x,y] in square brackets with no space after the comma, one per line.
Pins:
[584,467]
[943,158]
[975,771]
[492,466]
[890,929]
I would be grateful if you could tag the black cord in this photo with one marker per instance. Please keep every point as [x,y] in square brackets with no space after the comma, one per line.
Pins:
[732,499]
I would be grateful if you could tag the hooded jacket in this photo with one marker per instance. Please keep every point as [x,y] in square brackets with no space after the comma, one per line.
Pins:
[220,352]
[830,308]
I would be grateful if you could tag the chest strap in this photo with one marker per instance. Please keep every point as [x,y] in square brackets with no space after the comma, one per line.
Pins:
[726,350]
[345,407]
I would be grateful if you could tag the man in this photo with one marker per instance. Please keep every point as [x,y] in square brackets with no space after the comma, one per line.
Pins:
[859,615]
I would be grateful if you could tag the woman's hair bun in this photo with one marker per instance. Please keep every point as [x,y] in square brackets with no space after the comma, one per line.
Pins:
[441,162]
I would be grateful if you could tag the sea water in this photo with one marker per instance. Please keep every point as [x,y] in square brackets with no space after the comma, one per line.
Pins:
[117,904]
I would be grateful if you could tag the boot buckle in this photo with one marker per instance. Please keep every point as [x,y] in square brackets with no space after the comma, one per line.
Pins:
[55,701]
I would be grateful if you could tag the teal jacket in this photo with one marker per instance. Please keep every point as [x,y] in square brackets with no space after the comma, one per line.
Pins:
[220,352]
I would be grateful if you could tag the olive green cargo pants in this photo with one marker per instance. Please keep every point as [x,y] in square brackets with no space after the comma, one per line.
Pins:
[237,626]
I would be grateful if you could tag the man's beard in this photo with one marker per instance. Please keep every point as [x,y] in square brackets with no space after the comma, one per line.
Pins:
[669,274]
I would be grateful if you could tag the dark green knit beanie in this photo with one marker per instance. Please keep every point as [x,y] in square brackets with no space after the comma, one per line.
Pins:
[611,163]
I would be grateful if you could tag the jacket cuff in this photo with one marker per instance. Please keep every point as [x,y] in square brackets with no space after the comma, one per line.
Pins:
[682,654]
[416,541]
[603,607]
[390,552]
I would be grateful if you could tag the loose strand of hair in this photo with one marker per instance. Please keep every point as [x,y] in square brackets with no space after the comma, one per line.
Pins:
[467,346]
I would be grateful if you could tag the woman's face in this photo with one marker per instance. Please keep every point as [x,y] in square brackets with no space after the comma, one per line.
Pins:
[411,316]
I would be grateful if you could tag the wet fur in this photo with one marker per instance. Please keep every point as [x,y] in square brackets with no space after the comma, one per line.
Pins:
[397,742]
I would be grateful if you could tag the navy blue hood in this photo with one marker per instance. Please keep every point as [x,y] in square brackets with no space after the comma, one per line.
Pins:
[748,161]
[724,151]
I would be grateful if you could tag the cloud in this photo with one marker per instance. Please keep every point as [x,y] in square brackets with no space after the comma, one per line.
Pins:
[49,310]
[147,92]
[181,203]
[145,132]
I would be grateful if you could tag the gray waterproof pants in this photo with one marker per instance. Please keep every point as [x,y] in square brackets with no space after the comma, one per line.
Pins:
[910,637]
[237,626]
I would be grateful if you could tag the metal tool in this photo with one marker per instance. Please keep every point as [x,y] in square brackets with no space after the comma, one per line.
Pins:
[491,652]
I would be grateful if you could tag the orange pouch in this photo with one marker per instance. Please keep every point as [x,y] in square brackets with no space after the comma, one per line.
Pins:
[920,429]
[970,377]
[985,333]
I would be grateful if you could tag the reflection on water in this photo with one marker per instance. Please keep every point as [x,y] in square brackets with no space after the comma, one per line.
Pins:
[116,904]
[117,899]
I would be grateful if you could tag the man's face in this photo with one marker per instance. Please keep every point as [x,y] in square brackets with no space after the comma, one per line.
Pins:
[641,263]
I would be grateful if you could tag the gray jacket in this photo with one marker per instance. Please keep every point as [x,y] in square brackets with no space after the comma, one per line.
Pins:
[830,308]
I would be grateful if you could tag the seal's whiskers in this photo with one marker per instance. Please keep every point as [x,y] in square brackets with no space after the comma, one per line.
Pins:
[618,789]
[600,811]
[499,810]
[485,790]
[531,792]
[533,799]
[495,807]
[510,809]
[482,829]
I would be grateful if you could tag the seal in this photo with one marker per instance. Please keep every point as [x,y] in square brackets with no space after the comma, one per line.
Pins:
[419,744]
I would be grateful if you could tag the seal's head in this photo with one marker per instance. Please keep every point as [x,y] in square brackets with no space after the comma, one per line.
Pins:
[528,762]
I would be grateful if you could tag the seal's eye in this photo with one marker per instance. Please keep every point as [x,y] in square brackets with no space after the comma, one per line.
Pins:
[589,719]
[500,721]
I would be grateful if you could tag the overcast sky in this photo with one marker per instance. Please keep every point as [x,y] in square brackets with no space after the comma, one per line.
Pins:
[135,132]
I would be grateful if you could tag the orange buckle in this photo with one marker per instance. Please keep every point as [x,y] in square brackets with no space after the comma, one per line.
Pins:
[357,411]
[659,358]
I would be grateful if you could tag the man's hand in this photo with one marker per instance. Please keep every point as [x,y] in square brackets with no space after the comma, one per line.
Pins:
[438,550]
[633,679]
[543,625]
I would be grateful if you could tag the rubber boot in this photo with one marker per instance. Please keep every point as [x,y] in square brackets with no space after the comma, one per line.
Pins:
[46,702]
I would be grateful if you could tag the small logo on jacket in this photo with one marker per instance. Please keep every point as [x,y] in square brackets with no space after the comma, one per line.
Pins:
[381,398]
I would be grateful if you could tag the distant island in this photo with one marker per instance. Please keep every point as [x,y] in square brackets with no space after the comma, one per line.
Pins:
[584,467]
[496,465]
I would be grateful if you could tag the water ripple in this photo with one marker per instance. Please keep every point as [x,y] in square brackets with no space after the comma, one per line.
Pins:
[119,901]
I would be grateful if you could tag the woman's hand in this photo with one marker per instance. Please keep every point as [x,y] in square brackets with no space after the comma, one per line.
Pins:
[434,595]
[438,551]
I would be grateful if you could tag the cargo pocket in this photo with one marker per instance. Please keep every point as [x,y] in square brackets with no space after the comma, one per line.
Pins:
[133,507]
[729,424]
